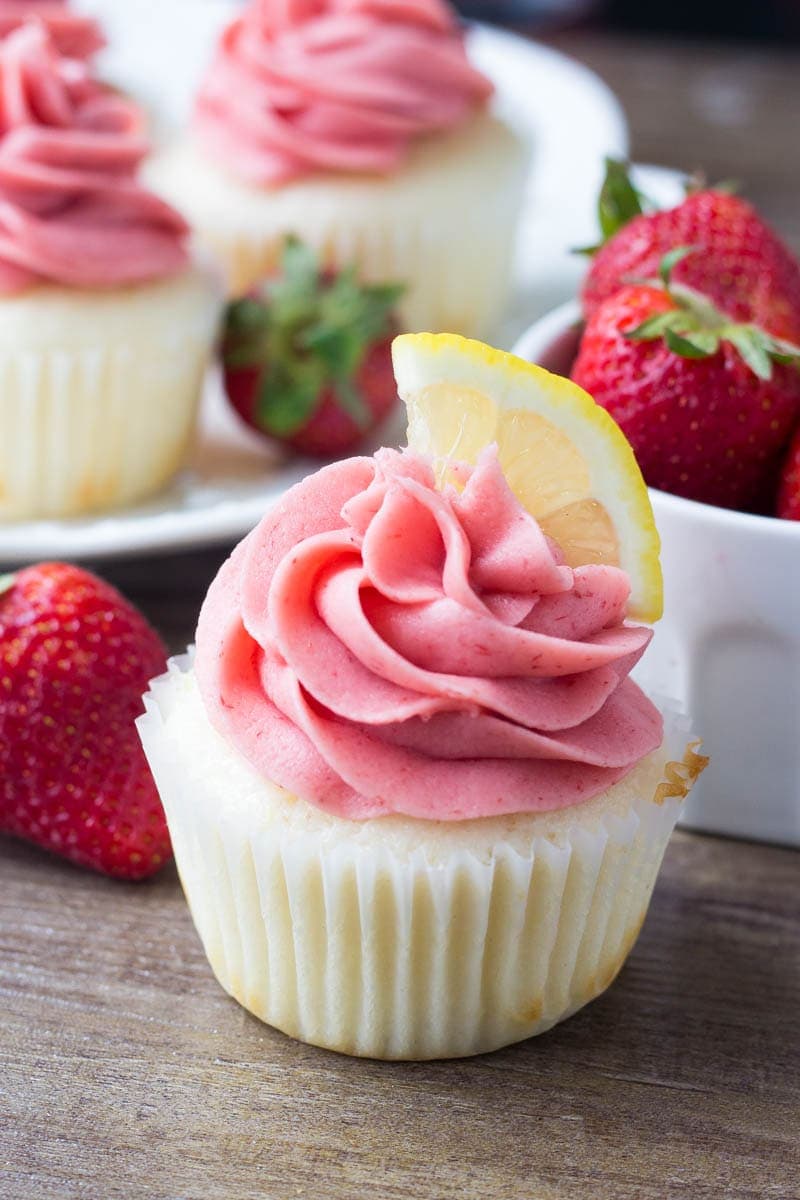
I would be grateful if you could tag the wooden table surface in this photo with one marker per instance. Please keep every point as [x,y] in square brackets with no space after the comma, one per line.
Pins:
[125,1071]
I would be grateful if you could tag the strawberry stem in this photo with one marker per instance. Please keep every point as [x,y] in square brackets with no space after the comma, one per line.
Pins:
[308,330]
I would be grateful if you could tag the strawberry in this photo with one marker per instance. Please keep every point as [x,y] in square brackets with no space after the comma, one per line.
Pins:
[788,504]
[707,403]
[75,658]
[744,268]
[307,360]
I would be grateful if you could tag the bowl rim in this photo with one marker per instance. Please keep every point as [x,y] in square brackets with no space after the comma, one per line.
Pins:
[559,320]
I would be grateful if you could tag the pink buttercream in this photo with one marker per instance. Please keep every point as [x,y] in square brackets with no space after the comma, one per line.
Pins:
[71,209]
[74,35]
[377,646]
[298,86]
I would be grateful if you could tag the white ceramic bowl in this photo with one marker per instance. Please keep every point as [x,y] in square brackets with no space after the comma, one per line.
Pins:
[728,644]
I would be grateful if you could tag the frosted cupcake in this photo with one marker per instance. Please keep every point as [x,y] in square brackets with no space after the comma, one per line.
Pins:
[74,34]
[105,324]
[361,127]
[417,803]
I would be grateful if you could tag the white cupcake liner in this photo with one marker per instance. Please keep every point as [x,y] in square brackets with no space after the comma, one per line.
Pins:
[396,938]
[444,223]
[99,392]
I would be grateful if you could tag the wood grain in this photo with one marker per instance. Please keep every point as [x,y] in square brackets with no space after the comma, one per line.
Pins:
[125,1071]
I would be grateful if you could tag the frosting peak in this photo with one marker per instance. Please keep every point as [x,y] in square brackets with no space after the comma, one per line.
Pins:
[298,86]
[71,209]
[74,35]
[378,646]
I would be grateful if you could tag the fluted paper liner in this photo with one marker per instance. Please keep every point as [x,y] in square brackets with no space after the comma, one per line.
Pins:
[99,391]
[399,938]
[444,223]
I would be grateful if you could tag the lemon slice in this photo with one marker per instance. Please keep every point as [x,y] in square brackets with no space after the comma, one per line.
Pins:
[564,457]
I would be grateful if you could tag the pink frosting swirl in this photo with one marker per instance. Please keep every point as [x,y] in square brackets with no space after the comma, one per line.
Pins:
[298,86]
[377,646]
[71,209]
[74,35]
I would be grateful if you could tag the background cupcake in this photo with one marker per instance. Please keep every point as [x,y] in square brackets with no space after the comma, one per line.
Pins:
[417,803]
[105,324]
[359,126]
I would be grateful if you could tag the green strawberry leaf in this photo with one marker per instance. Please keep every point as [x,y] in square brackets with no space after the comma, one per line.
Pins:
[657,326]
[695,327]
[246,315]
[246,333]
[680,331]
[685,346]
[383,299]
[706,340]
[288,398]
[780,350]
[671,260]
[339,349]
[351,400]
[619,201]
[299,266]
[308,330]
[749,341]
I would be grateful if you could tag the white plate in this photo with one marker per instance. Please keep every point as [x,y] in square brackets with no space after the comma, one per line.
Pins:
[572,121]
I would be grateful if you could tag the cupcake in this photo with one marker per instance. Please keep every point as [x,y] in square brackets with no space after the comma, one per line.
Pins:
[74,34]
[360,127]
[417,803]
[105,322]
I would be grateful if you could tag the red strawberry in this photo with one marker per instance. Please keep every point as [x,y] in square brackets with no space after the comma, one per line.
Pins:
[75,658]
[308,359]
[707,404]
[788,504]
[744,268]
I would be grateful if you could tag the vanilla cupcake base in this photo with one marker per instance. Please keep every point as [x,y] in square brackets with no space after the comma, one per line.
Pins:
[397,938]
[444,222]
[99,391]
